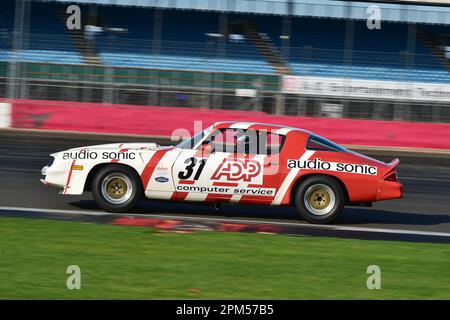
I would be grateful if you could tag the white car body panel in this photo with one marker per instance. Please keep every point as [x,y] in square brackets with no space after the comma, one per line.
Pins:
[157,190]
[72,182]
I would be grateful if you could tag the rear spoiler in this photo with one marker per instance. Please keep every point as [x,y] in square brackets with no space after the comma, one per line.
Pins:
[391,167]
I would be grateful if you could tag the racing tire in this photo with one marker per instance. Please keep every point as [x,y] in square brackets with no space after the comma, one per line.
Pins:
[319,199]
[116,188]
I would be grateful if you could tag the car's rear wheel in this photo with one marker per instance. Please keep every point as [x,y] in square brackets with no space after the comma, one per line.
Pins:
[116,188]
[319,199]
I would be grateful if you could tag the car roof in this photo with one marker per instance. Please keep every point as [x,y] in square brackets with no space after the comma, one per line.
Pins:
[279,129]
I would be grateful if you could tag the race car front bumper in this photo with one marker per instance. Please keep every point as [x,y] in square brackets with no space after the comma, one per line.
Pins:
[54,173]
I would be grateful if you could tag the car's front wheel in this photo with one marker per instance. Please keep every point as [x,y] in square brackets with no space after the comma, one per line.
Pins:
[319,199]
[116,188]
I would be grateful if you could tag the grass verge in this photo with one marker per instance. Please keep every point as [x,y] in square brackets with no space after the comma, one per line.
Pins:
[141,263]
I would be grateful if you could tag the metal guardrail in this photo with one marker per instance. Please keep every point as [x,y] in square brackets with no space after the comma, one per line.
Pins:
[271,102]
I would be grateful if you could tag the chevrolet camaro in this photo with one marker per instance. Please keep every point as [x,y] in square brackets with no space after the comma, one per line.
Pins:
[238,162]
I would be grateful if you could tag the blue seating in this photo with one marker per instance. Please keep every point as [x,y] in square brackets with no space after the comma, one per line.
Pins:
[181,47]
[371,73]
[318,50]
[316,45]
[48,40]
[49,56]
[170,62]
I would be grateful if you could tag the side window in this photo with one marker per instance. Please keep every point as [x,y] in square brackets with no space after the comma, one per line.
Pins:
[190,143]
[258,142]
[321,144]
[270,143]
[223,140]
[244,141]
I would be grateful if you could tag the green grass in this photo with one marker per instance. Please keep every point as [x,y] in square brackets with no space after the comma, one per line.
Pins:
[140,263]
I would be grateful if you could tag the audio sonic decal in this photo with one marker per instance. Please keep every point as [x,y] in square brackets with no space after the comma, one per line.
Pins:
[318,164]
[93,155]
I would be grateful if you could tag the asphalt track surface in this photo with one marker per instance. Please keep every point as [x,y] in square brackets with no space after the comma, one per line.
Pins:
[425,207]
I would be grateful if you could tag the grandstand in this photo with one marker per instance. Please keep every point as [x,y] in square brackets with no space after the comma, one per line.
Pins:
[220,48]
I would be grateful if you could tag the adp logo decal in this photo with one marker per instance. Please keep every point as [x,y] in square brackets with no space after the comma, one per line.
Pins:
[247,170]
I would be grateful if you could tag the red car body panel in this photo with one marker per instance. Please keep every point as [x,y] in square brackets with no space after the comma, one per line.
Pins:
[360,188]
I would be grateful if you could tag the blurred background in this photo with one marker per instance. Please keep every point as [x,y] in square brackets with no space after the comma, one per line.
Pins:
[368,60]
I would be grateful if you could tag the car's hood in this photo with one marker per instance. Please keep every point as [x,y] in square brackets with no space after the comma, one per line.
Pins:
[121,146]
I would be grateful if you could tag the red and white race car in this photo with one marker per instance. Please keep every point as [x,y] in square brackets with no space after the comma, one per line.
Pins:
[229,162]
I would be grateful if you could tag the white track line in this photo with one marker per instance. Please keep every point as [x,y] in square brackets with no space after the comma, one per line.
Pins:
[91,213]
[169,216]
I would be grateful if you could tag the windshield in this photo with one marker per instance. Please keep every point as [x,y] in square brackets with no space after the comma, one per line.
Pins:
[190,143]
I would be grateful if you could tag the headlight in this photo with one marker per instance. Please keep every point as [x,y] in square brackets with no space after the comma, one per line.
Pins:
[47,165]
[50,162]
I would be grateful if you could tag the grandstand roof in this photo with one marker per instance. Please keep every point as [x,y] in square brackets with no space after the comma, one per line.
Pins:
[433,13]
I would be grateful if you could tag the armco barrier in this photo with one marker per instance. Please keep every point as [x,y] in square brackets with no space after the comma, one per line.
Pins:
[155,120]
